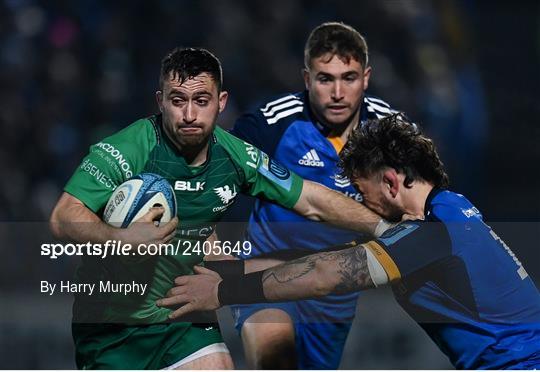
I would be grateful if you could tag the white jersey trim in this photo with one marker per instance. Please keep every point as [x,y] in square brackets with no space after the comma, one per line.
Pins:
[284,114]
[379,108]
[381,114]
[277,101]
[377,101]
[273,110]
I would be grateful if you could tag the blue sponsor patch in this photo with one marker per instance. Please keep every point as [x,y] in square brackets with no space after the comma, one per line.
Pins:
[392,235]
[275,172]
[279,170]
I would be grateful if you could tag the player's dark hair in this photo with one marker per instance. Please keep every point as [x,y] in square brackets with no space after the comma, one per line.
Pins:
[186,63]
[392,142]
[335,38]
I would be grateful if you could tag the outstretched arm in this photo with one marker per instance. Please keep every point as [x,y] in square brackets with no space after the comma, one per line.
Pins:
[72,220]
[318,275]
[235,267]
[319,203]
[312,276]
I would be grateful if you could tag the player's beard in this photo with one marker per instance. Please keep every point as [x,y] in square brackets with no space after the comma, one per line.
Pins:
[198,139]
[192,140]
[341,125]
[322,115]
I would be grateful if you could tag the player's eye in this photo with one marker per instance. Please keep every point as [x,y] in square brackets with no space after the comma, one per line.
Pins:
[350,78]
[177,101]
[323,79]
[202,101]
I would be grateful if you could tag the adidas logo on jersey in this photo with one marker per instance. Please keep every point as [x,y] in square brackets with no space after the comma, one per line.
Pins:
[311,159]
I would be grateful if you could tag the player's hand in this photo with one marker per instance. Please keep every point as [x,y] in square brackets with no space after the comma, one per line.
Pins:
[197,292]
[145,231]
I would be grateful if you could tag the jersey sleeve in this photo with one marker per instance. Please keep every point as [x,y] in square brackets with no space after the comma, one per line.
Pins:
[263,177]
[410,247]
[111,162]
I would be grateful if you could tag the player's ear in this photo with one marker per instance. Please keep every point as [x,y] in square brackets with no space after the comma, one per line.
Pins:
[223,100]
[366,76]
[159,100]
[391,181]
[305,74]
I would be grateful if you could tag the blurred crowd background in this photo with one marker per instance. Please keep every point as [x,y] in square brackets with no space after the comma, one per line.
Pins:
[72,72]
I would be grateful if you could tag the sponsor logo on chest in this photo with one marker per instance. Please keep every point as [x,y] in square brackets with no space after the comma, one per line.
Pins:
[342,182]
[226,195]
[189,186]
[311,159]
[118,156]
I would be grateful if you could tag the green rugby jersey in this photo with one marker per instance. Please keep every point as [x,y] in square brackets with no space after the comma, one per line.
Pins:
[203,194]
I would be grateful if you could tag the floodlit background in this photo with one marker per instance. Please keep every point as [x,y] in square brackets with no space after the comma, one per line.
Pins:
[72,72]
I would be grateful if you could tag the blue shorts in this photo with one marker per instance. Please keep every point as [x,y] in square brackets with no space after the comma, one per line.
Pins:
[321,327]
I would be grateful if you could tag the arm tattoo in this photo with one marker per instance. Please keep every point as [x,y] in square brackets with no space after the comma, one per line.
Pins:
[291,270]
[350,264]
[353,270]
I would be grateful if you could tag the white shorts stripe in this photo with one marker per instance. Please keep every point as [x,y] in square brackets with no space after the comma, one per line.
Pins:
[207,350]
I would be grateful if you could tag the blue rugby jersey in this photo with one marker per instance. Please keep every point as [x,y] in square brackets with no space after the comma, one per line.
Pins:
[464,286]
[284,128]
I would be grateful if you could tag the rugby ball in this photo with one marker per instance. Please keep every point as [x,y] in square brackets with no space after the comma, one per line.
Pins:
[134,198]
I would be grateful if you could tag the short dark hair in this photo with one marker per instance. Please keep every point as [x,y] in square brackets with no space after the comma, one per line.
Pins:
[336,38]
[392,142]
[186,63]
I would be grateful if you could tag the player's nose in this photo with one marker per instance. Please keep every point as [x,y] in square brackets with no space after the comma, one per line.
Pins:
[190,113]
[337,91]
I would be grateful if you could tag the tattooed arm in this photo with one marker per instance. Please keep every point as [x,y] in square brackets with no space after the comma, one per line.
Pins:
[318,275]
[312,276]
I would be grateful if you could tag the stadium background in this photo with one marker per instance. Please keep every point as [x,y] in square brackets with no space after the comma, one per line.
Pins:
[72,72]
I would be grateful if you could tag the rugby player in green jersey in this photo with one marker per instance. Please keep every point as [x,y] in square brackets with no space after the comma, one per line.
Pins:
[207,167]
